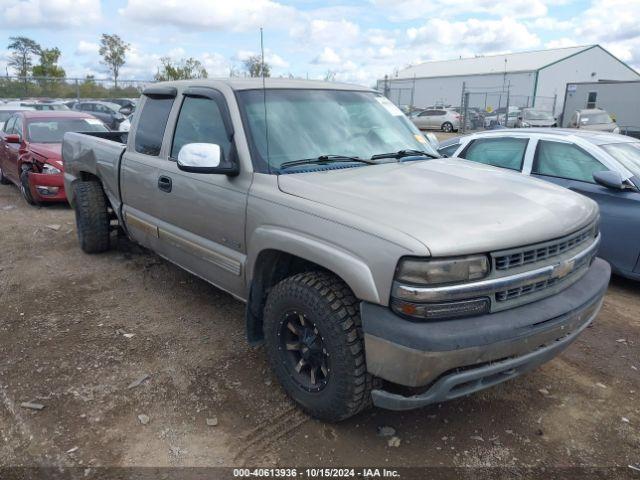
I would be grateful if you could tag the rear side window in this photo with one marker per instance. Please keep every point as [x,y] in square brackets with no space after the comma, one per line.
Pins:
[499,152]
[200,121]
[565,160]
[151,125]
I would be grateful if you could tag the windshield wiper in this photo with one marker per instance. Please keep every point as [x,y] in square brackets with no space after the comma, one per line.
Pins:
[326,159]
[405,153]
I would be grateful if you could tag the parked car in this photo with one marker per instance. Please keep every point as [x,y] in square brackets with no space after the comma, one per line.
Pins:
[46,105]
[531,117]
[127,106]
[108,112]
[30,151]
[593,119]
[442,119]
[362,256]
[7,110]
[602,166]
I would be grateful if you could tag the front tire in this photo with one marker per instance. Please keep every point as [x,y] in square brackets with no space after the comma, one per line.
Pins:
[315,345]
[447,127]
[25,189]
[92,217]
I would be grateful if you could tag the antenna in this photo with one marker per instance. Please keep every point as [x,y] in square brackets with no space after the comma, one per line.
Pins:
[264,99]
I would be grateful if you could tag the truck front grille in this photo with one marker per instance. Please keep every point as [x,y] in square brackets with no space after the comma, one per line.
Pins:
[540,252]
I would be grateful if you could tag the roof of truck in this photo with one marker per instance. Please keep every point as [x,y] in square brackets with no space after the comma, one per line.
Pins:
[256,83]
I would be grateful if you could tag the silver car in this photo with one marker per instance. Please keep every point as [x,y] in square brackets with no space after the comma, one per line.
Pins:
[593,119]
[437,119]
[531,117]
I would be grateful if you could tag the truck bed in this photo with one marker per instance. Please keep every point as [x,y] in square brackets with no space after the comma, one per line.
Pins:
[94,153]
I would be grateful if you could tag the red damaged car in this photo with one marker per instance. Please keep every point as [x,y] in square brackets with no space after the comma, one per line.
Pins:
[30,151]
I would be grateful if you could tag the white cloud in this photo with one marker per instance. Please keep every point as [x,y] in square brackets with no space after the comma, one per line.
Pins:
[483,36]
[550,23]
[237,15]
[87,48]
[611,23]
[403,10]
[216,64]
[49,13]
[326,32]
[327,57]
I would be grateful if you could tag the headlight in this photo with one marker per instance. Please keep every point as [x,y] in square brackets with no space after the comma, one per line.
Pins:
[436,273]
[439,271]
[50,169]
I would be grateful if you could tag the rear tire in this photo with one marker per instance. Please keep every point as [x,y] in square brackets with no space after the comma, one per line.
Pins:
[92,217]
[341,386]
[25,189]
[447,127]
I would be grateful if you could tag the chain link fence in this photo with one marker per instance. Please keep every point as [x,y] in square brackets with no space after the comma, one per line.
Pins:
[500,108]
[21,88]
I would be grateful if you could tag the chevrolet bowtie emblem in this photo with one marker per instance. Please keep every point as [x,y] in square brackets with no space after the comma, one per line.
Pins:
[563,269]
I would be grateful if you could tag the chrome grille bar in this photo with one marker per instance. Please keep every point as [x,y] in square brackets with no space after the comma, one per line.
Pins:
[513,258]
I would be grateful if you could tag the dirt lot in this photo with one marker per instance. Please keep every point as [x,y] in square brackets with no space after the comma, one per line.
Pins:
[77,330]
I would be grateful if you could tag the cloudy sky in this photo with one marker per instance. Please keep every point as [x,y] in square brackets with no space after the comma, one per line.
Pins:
[358,41]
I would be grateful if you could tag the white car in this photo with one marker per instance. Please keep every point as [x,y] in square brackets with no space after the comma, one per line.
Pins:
[602,166]
[437,119]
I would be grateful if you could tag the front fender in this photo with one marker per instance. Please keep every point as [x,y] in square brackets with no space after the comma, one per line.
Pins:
[344,263]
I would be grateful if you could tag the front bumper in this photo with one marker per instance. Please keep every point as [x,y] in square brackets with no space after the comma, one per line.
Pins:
[47,187]
[452,358]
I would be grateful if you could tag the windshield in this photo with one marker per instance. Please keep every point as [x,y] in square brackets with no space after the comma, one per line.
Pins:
[305,124]
[52,130]
[537,115]
[595,118]
[628,154]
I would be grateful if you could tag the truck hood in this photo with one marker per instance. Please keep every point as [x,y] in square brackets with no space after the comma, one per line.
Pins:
[452,206]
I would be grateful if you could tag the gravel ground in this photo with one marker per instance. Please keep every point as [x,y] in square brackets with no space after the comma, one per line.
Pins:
[78,332]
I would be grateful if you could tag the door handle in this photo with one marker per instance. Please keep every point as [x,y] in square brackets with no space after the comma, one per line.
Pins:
[164,183]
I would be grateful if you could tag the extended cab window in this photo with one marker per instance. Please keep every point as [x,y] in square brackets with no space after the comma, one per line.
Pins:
[500,152]
[565,160]
[200,121]
[151,125]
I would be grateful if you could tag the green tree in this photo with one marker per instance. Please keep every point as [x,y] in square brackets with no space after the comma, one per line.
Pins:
[255,67]
[48,64]
[22,51]
[113,51]
[184,69]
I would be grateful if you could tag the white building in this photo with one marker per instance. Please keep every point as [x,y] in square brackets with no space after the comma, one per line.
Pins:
[536,78]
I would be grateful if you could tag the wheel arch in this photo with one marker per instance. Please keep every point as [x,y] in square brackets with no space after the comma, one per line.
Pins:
[284,257]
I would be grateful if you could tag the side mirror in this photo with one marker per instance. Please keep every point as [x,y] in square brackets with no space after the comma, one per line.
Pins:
[609,179]
[12,138]
[519,118]
[200,158]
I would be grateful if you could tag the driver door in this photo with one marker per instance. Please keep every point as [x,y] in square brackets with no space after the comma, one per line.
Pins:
[202,220]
